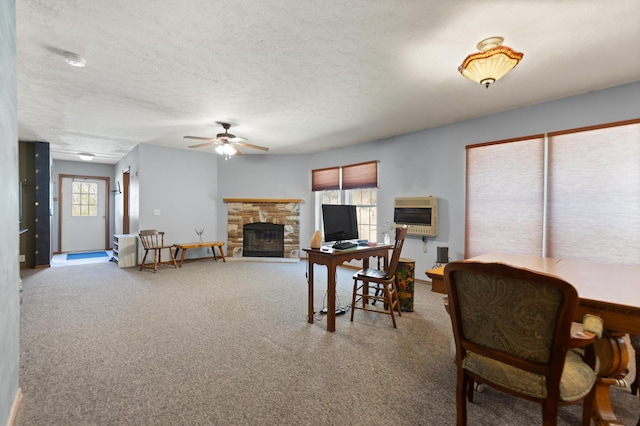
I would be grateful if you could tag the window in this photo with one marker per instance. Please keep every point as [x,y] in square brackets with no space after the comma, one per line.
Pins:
[505,184]
[366,202]
[593,208]
[84,201]
[353,184]
[573,195]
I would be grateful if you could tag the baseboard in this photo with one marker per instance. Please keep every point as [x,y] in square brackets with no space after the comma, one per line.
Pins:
[14,407]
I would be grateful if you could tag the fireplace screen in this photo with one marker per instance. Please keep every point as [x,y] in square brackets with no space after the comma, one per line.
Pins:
[263,240]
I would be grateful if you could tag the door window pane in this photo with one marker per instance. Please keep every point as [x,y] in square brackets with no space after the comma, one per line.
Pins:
[84,199]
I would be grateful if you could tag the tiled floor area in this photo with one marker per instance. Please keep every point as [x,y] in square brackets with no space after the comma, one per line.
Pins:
[61,260]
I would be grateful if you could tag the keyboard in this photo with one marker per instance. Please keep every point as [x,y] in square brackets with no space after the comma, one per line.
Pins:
[344,245]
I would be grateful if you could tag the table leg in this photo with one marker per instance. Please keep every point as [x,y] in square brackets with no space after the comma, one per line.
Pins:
[331,298]
[184,251]
[612,352]
[310,290]
[221,253]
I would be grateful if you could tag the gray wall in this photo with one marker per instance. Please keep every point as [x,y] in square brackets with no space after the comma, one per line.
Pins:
[181,184]
[189,187]
[266,176]
[9,242]
[83,168]
[431,162]
[131,163]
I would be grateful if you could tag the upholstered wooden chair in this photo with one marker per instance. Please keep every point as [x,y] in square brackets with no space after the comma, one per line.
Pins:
[381,282]
[153,240]
[512,331]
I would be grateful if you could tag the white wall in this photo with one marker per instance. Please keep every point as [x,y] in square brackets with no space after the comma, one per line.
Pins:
[9,242]
[82,168]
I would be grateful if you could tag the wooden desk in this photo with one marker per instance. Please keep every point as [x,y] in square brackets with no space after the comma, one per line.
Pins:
[187,246]
[332,259]
[610,291]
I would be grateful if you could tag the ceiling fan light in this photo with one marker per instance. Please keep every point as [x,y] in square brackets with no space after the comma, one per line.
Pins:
[225,149]
[492,63]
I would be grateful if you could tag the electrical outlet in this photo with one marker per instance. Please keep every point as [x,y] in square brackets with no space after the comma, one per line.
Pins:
[156,212]
[22,258]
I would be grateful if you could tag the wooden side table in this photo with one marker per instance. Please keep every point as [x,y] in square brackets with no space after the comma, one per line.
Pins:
[437,279]
[187,246]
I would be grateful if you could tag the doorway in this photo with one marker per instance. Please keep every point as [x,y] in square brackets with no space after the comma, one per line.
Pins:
[126,180]
[83,216]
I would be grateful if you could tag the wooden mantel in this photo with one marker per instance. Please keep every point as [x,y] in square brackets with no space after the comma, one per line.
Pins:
[262,200]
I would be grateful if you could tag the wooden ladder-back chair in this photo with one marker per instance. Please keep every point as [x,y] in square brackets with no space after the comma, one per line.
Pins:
[382,281]
[153,240]
[512,331]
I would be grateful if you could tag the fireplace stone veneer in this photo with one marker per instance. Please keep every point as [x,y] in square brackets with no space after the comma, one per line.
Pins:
[241,211]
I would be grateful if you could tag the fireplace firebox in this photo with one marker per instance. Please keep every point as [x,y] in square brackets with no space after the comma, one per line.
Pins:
[263,240]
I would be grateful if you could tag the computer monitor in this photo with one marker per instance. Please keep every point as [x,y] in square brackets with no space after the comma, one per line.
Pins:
[340,222]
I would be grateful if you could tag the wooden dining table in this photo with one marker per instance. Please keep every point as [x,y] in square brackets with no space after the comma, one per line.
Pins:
[609,291]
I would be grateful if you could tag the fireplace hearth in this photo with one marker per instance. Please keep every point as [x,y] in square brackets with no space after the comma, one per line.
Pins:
[263,240]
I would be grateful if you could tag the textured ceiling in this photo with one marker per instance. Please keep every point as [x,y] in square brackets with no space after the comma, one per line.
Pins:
[296,76]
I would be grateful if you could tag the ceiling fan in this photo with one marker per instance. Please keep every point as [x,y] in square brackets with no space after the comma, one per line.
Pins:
[227,143]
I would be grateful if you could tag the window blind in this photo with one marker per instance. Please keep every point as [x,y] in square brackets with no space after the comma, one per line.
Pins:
[354,176]
[325,179]
[361,175]
[593,211]
[505,197]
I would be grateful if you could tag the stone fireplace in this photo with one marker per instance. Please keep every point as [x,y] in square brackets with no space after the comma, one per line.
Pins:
[262,212]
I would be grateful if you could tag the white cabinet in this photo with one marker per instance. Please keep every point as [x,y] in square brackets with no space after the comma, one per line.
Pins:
[125,251]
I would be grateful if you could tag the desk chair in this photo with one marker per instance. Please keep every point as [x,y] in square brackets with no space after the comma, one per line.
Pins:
[512,330]
[153,240]
[380,280]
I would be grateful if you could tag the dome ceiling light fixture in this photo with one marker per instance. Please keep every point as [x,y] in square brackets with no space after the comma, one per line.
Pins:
[492,62]
[86,156]
[74,59]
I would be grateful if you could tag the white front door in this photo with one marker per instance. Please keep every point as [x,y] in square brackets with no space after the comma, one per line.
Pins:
[83,214]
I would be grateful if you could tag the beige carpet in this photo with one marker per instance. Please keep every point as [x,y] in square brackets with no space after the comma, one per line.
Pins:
[228,344]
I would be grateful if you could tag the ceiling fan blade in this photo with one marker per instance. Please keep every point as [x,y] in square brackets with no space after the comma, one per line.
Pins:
[200,145]
[199,138]
[248,145]
[237,150]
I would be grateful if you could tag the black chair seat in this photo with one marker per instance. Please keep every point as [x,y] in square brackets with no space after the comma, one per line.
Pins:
[372,273]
